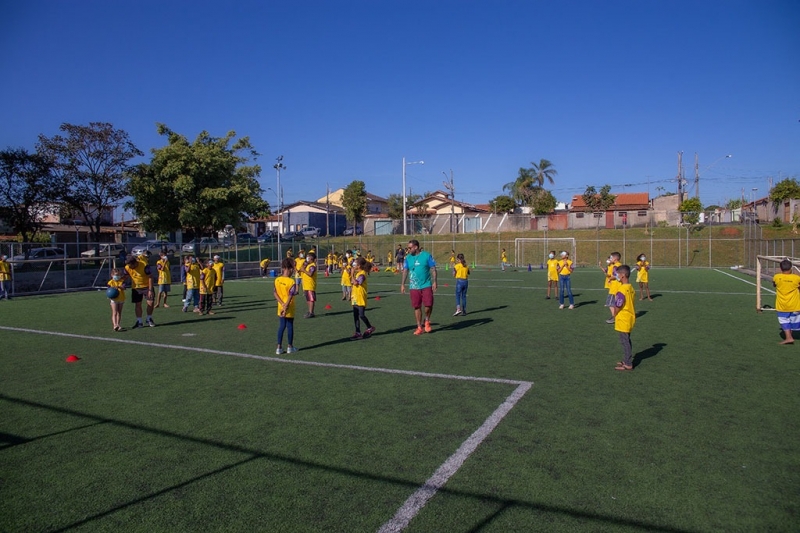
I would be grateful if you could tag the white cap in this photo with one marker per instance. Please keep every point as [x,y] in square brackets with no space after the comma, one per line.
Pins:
[216,257]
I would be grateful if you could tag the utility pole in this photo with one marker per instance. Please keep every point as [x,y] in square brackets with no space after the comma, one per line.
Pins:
[680,177]
[327,209]
[278,167]
[696,177]
[452,190]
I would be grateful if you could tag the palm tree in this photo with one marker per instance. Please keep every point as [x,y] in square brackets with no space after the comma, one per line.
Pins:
[543,170]
[520,188]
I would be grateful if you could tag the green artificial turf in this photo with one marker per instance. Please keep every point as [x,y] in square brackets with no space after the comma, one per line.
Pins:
[174,429]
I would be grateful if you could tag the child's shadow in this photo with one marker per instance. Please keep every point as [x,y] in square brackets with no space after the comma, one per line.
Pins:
[581,304]
[640,314]
[648,353]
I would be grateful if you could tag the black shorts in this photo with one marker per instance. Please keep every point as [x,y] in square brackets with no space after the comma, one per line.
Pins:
[137,295]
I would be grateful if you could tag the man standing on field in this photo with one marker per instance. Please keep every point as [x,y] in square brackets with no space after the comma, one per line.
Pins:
[420,269]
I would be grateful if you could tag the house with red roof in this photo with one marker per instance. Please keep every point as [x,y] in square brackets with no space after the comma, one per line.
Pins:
[630,209]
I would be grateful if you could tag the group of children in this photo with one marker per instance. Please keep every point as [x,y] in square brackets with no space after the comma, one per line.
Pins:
[203,286]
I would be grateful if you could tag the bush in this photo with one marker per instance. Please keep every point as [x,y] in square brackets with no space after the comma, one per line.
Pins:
[777,223]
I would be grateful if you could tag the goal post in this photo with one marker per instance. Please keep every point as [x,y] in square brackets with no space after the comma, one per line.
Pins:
[766,267]
[533,251]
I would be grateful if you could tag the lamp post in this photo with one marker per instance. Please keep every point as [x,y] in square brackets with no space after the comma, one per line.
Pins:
[278,167]
[697,172]
[451,188]
[405,225]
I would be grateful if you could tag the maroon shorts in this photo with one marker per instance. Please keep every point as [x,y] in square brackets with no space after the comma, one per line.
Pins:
[311,296]
[420,297]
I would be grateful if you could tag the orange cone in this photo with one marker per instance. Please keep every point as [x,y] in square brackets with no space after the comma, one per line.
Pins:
[73,358]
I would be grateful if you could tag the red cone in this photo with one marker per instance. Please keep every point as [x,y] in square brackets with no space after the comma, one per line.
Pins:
[377,297]
[242,326]
[73,358]
[446,284]
[328,306]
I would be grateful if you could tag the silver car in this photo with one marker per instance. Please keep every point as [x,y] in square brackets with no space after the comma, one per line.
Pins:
[154,247]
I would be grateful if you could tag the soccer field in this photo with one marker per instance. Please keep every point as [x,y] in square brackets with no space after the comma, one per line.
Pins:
[511,418]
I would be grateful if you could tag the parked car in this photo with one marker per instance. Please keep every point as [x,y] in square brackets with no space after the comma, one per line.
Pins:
[293,236]
[311,231]
[154,247]
[352,231]
[241,238]
[268,236]
[107,250]
[204,245]
[37,254]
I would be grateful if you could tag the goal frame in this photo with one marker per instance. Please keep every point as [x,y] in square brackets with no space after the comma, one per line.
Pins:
[561,243]
[763,273]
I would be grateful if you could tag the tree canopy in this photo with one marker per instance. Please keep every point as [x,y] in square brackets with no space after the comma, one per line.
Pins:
[502,204]
[690,210]
[201,185]
[542,202]
[598,201]
[395,203]
[784,190]
[526,189]
[354,202]
[27,187]
[92,162]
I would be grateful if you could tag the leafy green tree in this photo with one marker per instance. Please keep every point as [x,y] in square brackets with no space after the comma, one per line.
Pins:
[27,186]
[598,201]
[502,204]
[690,210]
[354,202]
[543,202]
[93,163]
[785,189]
[395,202]
[521,188]
[201,185]
[734,204]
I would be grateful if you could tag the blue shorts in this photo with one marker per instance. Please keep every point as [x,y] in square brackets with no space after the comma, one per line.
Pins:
[163,288]
[789,320]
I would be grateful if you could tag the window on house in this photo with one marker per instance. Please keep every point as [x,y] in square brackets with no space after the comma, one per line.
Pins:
[598,215]
[578,215]
[623,213]
[641,214]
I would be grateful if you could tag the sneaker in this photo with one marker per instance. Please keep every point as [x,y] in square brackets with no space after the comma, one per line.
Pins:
[463,313]
[546,297]
[278,350]
[610,320]
[117,328]
[212,313]
[151,323]
[184,309]
[137,325]
[196,310]
[427,326]
[291,349]
[561,306]
[311,315]
[458,312]
[369,332]
[418,331]
[572,307]
[356,336]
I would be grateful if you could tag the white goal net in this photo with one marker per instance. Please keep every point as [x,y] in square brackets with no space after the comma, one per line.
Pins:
[766,267]
[533,251]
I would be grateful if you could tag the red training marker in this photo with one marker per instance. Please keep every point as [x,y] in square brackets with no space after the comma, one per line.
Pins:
[242,326]
[73,358]
[327,307]
[377,297]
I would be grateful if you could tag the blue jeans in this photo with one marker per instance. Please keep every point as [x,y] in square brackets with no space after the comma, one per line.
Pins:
[566,287]
[287,325]
[461,294]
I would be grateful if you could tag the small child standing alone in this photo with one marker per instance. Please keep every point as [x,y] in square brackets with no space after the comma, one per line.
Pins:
[625,316]
[461,273]
[361,270]
[284,292]
[117,302]
[552,273]
[787,300]
[643,276]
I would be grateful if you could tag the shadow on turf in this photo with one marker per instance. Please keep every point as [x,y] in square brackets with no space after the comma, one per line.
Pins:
[502,504]
[581,304]
[648,353]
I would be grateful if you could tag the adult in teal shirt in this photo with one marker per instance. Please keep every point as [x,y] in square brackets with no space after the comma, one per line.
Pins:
[420,270]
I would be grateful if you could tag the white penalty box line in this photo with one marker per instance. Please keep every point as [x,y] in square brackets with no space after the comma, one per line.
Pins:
[414,504]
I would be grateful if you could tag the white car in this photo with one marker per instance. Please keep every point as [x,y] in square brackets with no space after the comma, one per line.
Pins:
[154,247]
[39,255]
[107,250]
[311,231]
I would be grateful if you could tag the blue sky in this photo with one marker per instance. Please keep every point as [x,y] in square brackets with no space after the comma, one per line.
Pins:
[608,91]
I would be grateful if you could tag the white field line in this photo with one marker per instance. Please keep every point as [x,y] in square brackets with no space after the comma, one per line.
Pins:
[428,490]
[744,280]
[443,473]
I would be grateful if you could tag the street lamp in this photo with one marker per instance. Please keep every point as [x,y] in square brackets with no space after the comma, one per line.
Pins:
[278,167]
[697,173]
[451,188]
[405,226]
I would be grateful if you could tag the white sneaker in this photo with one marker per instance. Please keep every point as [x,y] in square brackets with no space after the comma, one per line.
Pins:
[291,349]
[458,312]
[572,307]
[561,306]
[279,351]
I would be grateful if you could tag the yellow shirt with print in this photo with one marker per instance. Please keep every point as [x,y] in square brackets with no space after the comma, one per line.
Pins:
[610,276]
[140,274]
[626,315]
[462,271]
[193,276]
[360,286]
[787,296]
[309,278]
[219,270]
[284,288]
[552,269]
[164,274]
[120,286]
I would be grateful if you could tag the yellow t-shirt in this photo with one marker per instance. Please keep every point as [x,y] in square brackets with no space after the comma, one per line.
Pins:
[359,293]
[345,274]
[642,271]
[787,296]
[264,263]
[462,271]
[626,315]
[219,270]
[140,274]
[298,266]
[564,267]
[164,274]
[309,277]
[193,276]
[120,286]
[284,289]
[610,271]
[552,272]
[208,278]
[5,270]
